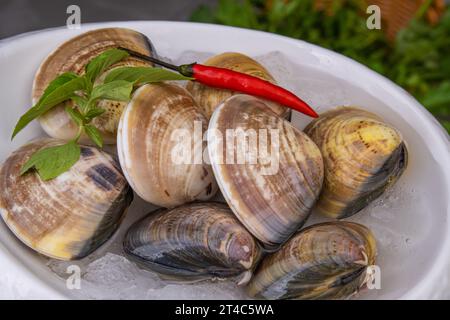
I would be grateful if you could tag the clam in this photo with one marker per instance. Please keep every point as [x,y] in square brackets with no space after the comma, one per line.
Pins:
[269,172]
[324,261]
[193,242]
[67,217]
[362,157]
[73,56]
[209,98]
[160,146]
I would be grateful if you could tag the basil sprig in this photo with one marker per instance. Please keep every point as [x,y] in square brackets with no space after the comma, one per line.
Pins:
[85,93]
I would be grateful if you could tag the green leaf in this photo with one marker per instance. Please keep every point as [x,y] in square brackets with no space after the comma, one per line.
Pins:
[119,90]
[143,75]
[103,61]
[57,82]
[51,162]
[55,97]
[94,134]
[93,112]
[75,115]
[25,119]
[62,93]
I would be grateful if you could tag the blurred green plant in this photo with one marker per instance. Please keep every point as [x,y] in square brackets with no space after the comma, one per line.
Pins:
[418,60]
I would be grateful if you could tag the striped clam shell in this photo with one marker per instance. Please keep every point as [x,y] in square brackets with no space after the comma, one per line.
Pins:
[362,157]
[193,242]
[324,261]
[73,55]
[67,217]
[273,190]
[159,164]
[209,98]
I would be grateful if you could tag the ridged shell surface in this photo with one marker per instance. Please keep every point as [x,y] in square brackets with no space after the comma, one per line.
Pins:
[67,217]
[160,146]
[323,261]
[193,242]
[269,172]
[73,56]
[209,98]
[362,157]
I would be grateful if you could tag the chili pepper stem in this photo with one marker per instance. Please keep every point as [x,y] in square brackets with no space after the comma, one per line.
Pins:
[187,70]
[152,59]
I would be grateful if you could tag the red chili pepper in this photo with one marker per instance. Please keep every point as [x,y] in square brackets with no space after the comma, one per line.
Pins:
[236,81]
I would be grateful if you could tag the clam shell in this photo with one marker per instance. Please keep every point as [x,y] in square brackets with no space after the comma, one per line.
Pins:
[274,189]
[324,261]
[159,141]
[73,55]
[67,217]
[209,98]
[193,242]
[362,157]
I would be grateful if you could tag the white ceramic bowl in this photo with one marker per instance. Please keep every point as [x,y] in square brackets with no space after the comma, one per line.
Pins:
[412,221]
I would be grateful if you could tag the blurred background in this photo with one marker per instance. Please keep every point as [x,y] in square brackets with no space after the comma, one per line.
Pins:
[412,48]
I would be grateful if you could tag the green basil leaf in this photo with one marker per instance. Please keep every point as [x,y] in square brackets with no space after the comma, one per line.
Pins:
[51,162]
[94,134]
[143,75]
[58,95]
[92,113]
[57,82]
[103,61]
[119,90]
[62,93]
[75,115]
[25,119]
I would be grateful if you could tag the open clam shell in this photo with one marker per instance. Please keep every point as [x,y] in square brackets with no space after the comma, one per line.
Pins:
[269,172]
[73,55]
[193,242]
[160,146]
[324,261]
[362,157]
[209,98]
[67,217]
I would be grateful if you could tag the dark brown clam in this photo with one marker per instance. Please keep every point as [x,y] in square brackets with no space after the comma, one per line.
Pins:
[193,242]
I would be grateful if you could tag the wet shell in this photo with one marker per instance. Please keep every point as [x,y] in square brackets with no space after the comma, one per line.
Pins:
[73,56]
[193,242]
[323,261]
[273,191]
[160,146]
[67,217]
[362,157]
[209,98]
